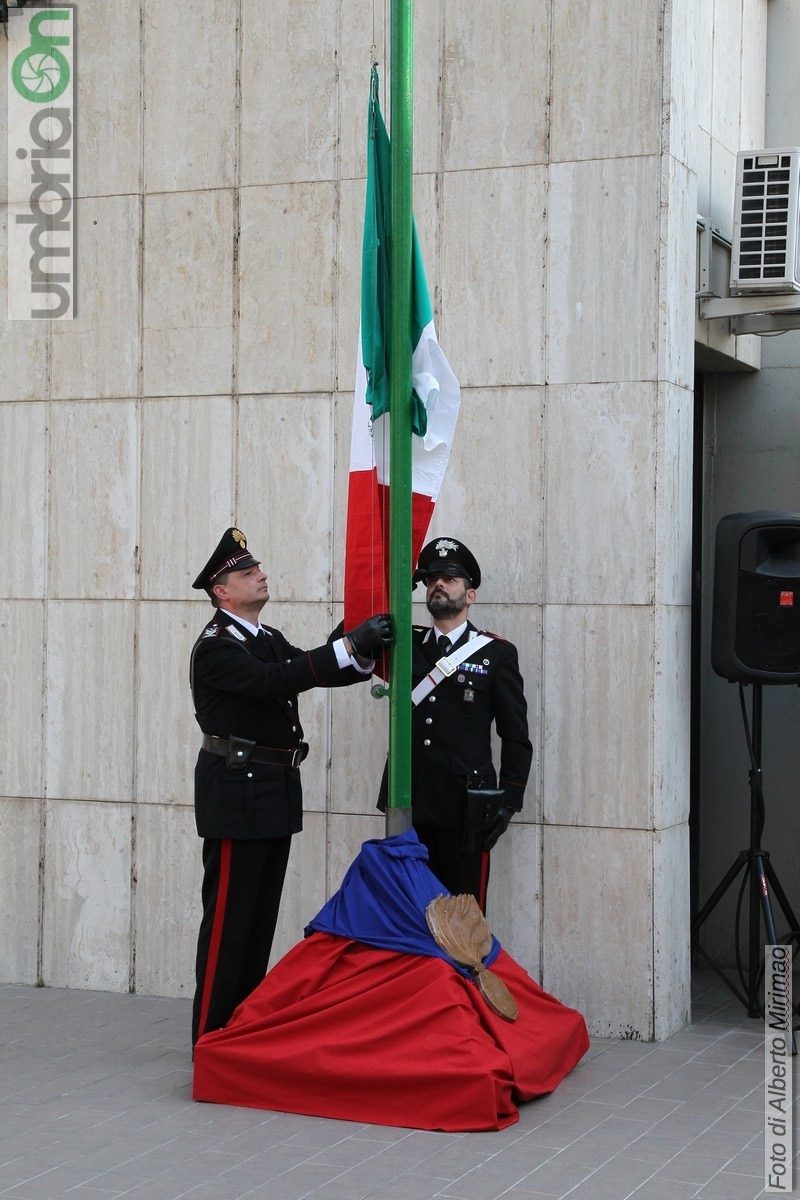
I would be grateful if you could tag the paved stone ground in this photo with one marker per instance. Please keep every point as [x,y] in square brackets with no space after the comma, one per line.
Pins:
[95,1104]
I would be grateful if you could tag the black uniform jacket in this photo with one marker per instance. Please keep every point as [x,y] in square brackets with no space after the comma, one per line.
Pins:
[247,687]
[451,730]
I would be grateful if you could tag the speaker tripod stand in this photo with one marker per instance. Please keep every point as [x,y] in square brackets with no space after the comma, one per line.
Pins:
[761,875]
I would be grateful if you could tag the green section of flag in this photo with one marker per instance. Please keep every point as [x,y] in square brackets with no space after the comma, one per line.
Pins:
[375,291]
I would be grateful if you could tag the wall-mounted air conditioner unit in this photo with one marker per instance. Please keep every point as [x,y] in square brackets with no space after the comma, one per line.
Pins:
[765,259]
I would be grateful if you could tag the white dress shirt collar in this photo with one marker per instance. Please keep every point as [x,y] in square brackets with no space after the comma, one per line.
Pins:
[249,626]
[453,635]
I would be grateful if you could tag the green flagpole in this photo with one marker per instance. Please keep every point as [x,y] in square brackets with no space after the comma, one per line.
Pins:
[398,813]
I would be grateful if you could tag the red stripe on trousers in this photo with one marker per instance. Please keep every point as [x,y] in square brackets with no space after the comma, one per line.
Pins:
[225,849]
[484,881]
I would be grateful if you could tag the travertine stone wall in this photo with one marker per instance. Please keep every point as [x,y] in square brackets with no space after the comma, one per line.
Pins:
[731,73]
[207,379]
[752,463]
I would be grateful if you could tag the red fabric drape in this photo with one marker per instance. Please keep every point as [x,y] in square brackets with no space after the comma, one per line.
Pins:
[339,1029]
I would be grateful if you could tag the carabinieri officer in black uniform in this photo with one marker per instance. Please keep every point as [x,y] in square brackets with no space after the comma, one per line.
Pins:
[245,680]
[459,808]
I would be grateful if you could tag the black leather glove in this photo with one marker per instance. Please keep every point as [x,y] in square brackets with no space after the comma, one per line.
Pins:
[372,637]
[498,827]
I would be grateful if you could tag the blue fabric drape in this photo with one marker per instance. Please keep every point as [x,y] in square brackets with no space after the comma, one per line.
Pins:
[383,898]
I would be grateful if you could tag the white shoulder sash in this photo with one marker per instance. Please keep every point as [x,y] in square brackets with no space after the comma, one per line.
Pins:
[447,666]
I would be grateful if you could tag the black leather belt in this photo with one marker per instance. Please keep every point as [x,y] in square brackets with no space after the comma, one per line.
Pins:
[272,755]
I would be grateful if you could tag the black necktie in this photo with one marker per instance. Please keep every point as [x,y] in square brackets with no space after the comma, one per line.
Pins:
[262,634]
[443,644]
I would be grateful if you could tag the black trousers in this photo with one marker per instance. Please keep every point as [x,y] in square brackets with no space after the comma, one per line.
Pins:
[460,871]
[242,885]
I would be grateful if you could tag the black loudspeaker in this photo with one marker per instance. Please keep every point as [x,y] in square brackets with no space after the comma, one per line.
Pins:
[756,622]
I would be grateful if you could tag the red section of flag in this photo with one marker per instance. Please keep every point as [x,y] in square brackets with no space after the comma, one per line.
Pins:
[366,566]
[365,584]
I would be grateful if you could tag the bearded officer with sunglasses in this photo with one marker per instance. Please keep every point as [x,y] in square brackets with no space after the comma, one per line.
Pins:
[464,681]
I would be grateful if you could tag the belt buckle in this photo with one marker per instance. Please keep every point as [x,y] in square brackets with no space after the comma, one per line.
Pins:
[446,667]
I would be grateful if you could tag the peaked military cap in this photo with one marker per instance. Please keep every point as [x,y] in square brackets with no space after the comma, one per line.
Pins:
[448,557]
[231,554]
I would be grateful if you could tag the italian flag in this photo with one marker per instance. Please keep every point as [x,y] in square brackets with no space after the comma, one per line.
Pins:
[436,398]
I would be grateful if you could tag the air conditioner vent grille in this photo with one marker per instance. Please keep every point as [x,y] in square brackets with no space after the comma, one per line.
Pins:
[765,247]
